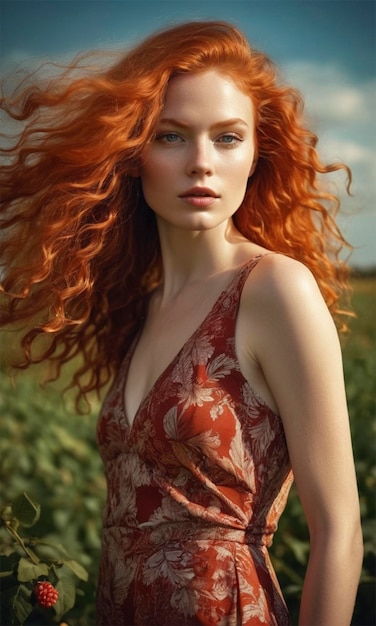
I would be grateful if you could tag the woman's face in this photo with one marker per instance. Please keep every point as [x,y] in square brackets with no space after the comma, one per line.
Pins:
[196,170]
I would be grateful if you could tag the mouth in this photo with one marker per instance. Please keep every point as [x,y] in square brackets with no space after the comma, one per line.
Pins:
[200,198]
[199,192]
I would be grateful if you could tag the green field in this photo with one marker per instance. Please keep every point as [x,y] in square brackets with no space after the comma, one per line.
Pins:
[49,452]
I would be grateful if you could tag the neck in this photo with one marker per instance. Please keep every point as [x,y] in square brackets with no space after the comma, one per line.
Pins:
[190,256]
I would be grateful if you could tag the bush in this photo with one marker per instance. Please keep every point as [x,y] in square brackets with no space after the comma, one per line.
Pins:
[51,454]
[38,583]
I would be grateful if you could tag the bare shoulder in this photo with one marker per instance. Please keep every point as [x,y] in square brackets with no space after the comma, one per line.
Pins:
[277,280]
[282,298]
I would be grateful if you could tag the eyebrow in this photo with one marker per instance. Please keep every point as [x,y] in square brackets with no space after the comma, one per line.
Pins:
[230,122]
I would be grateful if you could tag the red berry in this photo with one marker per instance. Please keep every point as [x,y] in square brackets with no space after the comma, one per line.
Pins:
[45,594]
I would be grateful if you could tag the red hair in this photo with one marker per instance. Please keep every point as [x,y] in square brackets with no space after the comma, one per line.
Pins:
[80,249]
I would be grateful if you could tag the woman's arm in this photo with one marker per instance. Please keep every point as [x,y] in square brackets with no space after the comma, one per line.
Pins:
[297,347]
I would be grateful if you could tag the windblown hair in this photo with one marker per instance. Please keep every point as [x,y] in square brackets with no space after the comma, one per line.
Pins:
[80,250]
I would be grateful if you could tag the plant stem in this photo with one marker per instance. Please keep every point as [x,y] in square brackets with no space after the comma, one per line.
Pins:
[20,541]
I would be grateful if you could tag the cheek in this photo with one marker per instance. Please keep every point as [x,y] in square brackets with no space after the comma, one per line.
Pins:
[241,163]
[149,178]
[155,182]
[155,170]
[240,172]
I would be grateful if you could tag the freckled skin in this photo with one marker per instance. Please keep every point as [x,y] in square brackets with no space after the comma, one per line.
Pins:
[205,138]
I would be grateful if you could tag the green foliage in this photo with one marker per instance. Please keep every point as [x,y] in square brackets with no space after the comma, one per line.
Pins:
[359,365]
[51,454]
[25,561]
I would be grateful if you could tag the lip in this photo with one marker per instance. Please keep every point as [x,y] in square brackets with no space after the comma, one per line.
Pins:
[199,192]
[199,197]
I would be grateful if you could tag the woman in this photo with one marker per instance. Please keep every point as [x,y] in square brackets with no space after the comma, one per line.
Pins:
[164,220]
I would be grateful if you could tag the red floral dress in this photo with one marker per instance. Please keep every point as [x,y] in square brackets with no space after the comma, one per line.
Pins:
[195,489]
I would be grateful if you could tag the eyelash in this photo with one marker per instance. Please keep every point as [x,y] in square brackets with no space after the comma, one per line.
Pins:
[232,136]
[163,138]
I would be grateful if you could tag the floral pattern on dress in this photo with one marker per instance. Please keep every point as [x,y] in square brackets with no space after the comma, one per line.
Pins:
[196,487]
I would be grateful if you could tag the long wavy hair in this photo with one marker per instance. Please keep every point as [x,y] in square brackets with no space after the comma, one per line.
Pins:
[80,250]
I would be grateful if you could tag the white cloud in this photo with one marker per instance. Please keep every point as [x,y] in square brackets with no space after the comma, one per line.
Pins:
[341,110]
[331,94]
[351,151]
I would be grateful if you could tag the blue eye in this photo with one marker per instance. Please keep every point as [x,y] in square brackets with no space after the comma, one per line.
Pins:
[168,138]
[229,139]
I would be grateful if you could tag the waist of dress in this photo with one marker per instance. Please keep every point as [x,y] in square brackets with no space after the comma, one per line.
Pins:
[146,534]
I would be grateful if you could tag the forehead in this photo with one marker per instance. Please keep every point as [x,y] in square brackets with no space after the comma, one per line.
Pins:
[210,93]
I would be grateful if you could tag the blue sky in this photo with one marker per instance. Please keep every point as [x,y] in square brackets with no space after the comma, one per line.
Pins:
[324,47]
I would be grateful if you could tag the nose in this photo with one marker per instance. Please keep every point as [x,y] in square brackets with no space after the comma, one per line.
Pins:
[200,159]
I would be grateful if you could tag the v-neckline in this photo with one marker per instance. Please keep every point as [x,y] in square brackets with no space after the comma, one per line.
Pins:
[130,353]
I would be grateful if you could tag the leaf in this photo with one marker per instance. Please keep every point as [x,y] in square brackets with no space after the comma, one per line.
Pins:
[25,511]
[4,574]
[67,595]
[299,548]
[6,513]
[21,607]
[28,571]
[56,548]
[77,569]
